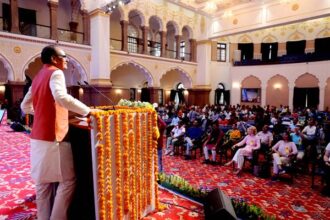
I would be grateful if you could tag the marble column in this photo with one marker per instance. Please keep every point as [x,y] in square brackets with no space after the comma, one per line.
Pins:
[310,46]
[14,17]
[145,31]
[203,59]
[86,26]
[124,35]
[322,86]
[192,50]
[257,51]
[177,40]
[263,94]
[163,43]
[53,6]
[291,90]
[281,49]
[100,42]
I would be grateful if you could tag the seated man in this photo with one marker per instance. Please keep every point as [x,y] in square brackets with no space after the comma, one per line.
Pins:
[296,137]
[266,138]
[193,135]
[231,137]
[310,141]
[326,158]
[284,151]
[177,132]
[212,142]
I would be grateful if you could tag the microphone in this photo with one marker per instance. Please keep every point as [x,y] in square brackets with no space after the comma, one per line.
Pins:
[101,93]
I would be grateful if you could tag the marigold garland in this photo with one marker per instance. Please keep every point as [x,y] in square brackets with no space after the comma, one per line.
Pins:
[135,157]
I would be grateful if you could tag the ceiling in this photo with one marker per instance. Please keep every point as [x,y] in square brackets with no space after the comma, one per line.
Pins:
[212,7]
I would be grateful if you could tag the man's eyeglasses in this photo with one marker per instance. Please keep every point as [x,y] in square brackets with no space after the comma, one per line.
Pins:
[61,56]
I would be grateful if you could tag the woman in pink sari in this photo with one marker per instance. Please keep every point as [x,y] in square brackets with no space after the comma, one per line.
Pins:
[251,142]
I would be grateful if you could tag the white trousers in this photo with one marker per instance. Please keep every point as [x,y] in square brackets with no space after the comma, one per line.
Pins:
[278,160]
[57,210]
[239,158]
[206,153]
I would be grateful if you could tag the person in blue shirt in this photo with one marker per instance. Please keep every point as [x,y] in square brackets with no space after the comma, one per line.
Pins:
[193,135]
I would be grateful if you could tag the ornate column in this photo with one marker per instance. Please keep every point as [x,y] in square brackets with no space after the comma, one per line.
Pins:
[177,40]
[124,40]
[86,26]
[100,42]
[232,48]
[203,60]
[281,49]
[163,43]
[263,94]
[14,17]
[192,50]
[310,46]
[322,86]
[291,90]
[257,51]
[53,19]
[145,31]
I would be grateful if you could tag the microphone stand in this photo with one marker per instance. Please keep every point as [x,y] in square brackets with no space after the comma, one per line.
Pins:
[101,93]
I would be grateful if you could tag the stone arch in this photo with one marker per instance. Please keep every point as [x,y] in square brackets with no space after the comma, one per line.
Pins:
[170,75]
[158,20]
[8,67]
[277,91]
[75,72]
[140,67]
[189,30]
[175,25]
[306,80]
[251,82]
[245,39]
[296,36]
[269,39]
[323,33]
[139,14]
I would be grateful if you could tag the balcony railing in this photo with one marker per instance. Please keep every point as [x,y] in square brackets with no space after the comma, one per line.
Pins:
[43,31]
[115,44]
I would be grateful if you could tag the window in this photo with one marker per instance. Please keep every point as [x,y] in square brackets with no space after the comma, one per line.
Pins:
[132,41]
[221,52]
[246,51]
[269,51]
[182,49]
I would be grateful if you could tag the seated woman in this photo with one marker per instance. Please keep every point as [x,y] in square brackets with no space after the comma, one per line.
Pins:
[252,143]
[284,151]
[212,142]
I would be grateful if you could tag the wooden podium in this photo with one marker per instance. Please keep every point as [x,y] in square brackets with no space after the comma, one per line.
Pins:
[115,158]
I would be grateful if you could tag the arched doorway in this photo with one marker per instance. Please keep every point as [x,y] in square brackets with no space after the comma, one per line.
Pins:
[251,91]
[128,80]
[306,92]
[172,80]
[277,92]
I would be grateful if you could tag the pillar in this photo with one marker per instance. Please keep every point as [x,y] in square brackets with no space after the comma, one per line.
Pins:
[257,51]
[86,27]
[291,90]
[14,17]
[263,94]
[192,50]
[322,86]
[203,59]
[53,19]
[281,49]
[100,42]
[310,46]
[177,40]
[163,43]
[124,35]
[145,31]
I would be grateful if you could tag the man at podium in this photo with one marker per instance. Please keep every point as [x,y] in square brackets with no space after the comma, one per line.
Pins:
[51,154]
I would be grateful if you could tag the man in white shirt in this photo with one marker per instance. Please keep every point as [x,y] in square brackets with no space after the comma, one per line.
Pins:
[177,132]
[309,140]
[51,154]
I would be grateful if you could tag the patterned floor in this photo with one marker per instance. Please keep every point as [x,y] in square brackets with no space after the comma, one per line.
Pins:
[296,201]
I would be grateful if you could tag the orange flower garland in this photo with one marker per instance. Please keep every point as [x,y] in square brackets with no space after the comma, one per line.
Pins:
[119,198]
[108,168]
[135,161]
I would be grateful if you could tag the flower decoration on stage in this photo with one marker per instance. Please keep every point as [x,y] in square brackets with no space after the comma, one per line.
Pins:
[126,146]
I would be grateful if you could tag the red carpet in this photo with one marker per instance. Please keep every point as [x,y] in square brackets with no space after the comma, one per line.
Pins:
[297,201]
[285,200]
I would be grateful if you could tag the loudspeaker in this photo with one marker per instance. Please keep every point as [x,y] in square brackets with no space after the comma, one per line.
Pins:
[218,206]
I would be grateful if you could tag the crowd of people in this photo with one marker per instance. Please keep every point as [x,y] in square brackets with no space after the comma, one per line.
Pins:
[262,135]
